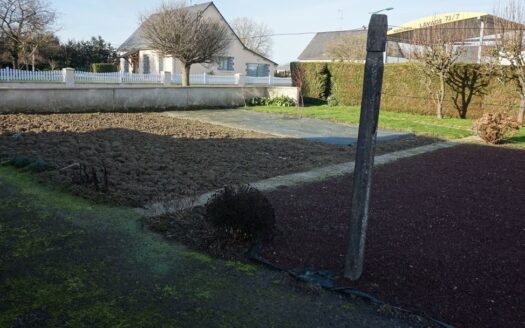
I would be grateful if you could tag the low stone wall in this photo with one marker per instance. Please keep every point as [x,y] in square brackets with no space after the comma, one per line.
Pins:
[107,98]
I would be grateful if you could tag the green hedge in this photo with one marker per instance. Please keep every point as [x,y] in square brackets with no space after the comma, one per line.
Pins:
[403,89]
[103,68]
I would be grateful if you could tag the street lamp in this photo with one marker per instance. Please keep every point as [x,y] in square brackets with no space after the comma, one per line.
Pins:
[380,11]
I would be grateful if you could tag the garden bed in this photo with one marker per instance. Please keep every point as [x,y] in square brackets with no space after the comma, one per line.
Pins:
[446,234]
[135,159]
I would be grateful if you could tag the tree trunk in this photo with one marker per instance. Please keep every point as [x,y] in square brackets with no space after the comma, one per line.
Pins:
[16,60]
[185,70]
[33,62]
[521,110]
[441,96]
[440,109]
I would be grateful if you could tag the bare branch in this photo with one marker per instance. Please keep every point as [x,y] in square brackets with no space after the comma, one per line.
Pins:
[21,23]
[509,45]
[255,36]
[438,50]
[187,35]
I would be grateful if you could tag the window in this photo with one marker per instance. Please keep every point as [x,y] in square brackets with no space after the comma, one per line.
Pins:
[145,67]
[257,70]
[225,63]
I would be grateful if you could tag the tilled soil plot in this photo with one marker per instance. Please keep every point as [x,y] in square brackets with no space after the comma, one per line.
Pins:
[446,234]
[135,159]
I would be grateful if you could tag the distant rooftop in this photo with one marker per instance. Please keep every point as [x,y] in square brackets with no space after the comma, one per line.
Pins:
[137,41]
[317,48]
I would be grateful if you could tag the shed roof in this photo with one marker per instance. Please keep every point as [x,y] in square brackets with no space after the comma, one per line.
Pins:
[467,25]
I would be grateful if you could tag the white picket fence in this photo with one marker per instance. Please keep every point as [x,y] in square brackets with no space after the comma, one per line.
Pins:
[88,77]
[13,75]
[204,79]
[18,75]
[116,77]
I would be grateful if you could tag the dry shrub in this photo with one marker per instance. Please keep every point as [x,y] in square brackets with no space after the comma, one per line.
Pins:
[243,212]
[494,128]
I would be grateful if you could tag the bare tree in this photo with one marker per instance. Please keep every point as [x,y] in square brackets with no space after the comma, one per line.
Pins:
[467,81]
[32,46]
[21,23]
[438,50]
[348,47]
[186,35]
[509,46]
[255,36]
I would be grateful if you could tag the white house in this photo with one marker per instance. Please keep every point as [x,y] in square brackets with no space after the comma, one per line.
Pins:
[137,57]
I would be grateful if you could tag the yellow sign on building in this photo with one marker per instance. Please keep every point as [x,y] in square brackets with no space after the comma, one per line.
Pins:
[436,20]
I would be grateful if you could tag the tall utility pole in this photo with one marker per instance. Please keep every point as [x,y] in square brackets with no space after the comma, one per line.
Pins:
[364,163]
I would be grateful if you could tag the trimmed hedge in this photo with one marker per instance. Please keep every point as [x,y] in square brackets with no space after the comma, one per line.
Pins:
[403,89]
[104,68]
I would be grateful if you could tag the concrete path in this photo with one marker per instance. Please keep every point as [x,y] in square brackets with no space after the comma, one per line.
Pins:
[294,179]
[282,125]
[68,262]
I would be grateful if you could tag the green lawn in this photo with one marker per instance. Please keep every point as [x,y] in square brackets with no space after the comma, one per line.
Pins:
[425,125]
[69,262]
[448,128]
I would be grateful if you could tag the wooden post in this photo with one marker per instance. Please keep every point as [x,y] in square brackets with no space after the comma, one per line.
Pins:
[364,162]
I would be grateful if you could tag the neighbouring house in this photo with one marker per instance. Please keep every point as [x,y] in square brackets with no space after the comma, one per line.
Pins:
[283,71]
[318,50]
[325,46]
[137,57]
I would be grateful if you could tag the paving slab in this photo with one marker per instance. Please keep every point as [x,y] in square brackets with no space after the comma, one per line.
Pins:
[284,126]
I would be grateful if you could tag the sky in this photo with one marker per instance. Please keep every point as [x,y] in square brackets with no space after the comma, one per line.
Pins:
[115,20]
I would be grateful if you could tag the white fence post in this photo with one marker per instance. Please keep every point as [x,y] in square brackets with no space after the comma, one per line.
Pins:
[7,74]
[270,79]
[165,78]
[68,75]
[240,79]
[205,78]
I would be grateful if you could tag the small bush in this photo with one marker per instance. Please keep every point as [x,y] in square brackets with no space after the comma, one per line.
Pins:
[332,101]
[258,101]
[243,212]
[103,68]
[494,128]
[281,101]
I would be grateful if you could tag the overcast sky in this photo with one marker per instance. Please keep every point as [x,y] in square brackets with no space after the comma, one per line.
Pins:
[115,20]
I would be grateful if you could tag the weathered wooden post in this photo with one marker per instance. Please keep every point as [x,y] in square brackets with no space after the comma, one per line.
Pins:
[364,162]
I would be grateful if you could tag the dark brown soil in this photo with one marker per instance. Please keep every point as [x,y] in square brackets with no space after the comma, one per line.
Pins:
[446,234]
[150,158]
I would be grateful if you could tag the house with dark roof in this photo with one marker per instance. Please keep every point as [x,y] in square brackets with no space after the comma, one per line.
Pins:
[321,48]
[138,57]
[318,50]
